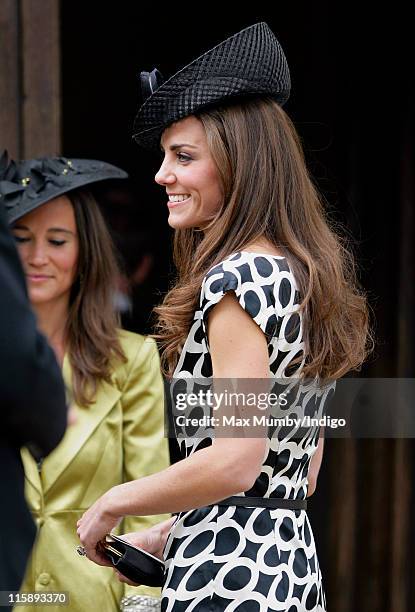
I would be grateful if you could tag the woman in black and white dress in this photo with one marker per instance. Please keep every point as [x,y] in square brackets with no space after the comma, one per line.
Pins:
[265,291]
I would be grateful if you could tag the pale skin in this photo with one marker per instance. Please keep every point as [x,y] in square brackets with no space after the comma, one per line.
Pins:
[228,466]
[188,170]
[48,246]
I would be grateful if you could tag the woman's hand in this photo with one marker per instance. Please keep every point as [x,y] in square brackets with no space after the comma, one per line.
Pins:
[94,525]
[153,540]
[123,578]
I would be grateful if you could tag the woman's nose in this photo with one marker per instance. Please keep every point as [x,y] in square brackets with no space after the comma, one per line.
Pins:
[165,176]
[37,255]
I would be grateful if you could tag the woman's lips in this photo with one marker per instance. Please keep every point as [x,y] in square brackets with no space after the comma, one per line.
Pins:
[38,278]
[174,204]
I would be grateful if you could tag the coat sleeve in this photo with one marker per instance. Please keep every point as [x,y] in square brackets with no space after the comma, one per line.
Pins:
[145,445]
[31,386]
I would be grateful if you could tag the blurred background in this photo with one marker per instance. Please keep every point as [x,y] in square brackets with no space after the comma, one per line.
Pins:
[69,85]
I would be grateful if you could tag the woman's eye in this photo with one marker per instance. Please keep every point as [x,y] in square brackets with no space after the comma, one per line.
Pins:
[57,242]
[183,157]
[20,239]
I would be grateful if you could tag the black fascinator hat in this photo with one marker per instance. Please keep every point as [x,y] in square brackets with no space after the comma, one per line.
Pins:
[30,183]
[250,63]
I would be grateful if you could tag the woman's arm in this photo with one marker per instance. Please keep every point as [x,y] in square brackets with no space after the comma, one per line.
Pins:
[314,469]
[230,466]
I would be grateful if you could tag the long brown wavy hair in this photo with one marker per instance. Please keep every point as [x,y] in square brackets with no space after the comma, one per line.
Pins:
[91,332]
[269,194]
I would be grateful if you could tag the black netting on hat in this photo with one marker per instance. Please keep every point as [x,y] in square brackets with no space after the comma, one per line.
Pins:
[251,62]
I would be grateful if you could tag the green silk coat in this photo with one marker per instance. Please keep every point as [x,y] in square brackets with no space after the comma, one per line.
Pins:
[118,438]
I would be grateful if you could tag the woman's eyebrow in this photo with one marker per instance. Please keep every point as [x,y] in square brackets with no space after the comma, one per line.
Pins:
[51,229]
[173,147]
[60,229]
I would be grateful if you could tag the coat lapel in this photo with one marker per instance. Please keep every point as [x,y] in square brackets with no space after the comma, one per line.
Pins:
[87,421]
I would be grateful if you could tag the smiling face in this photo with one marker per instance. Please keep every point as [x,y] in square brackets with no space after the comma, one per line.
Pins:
[189,175]
[48,246]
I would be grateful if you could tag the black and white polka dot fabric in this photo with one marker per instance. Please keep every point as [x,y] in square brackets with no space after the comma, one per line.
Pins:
[247,559]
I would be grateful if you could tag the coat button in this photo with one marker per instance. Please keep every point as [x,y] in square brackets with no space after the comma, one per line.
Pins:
[44,579]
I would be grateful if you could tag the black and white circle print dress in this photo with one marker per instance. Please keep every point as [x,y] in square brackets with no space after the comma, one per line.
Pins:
[248,559]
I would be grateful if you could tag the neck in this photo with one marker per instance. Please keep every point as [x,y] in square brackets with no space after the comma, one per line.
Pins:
[52,319]
[261,243]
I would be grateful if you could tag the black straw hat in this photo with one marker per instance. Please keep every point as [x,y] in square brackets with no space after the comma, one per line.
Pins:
[30,183]
[250,63]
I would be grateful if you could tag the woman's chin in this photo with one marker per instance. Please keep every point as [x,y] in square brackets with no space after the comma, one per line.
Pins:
[180,221]
[38,297]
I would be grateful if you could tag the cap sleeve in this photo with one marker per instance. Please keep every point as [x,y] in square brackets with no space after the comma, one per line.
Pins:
[254,293]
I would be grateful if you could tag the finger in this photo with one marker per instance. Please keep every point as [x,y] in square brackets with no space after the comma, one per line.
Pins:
[134,539]
[138,539]
[97,557]
[124,579]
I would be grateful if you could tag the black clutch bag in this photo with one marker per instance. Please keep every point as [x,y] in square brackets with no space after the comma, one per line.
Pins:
[134,563]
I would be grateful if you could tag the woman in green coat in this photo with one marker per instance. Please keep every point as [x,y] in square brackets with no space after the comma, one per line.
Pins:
[112,376]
